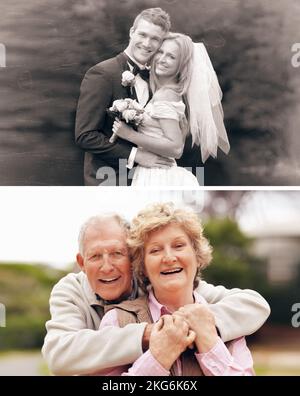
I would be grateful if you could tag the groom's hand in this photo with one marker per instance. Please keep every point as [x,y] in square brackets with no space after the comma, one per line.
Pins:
[151,160]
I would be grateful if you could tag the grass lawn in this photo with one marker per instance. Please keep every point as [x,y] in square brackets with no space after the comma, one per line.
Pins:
[267,362]
[276,362]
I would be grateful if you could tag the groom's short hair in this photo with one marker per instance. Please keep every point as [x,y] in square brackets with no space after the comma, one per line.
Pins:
[157,16]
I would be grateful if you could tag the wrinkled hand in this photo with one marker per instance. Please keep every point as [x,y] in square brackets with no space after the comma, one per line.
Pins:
[146,336]
[121,129]
[170,337]
[201,320]
[150,160]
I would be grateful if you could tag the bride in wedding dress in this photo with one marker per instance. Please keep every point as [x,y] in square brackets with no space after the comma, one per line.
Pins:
[187,99]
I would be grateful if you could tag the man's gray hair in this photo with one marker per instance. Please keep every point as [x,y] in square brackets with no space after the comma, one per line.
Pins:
[99,219]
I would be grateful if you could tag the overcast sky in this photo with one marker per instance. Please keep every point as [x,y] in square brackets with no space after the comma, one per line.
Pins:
[42,224]
[271,213]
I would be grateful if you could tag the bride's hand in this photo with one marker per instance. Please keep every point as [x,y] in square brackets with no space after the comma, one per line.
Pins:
[121,129]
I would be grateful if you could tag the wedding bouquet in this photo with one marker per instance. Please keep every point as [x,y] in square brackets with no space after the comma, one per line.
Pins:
[127,110]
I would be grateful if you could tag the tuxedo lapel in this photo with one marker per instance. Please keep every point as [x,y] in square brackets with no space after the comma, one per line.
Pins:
[122,60]
[150,95]
[130,92]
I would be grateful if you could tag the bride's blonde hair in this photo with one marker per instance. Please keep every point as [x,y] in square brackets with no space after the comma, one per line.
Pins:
[182,75]
[184,70]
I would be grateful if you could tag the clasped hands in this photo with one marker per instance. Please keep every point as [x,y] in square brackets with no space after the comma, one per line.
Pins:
[192,325]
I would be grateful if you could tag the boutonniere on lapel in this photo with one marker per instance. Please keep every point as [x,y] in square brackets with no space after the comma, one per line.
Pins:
[128,79]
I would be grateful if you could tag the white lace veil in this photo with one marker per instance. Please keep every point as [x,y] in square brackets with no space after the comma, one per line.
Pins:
[204,97]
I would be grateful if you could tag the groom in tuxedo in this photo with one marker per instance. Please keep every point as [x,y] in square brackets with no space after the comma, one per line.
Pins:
[108,163]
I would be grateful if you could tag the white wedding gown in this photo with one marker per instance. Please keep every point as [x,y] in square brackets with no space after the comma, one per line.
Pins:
[174,176]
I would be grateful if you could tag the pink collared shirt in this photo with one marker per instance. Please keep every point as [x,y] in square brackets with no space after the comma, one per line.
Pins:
[222,360]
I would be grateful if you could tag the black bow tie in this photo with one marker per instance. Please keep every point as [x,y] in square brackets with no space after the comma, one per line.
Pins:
[144,73]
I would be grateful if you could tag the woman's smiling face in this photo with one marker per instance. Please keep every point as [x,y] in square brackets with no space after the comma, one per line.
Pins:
[170,260]
[166,60]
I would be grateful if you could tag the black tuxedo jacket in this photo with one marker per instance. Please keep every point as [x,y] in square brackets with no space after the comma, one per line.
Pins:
[100,87]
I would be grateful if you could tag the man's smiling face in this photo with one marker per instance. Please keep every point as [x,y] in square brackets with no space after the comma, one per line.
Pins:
[145,40]
[105,260]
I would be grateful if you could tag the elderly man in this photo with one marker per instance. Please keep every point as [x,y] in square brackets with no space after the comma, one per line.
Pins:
[75,345]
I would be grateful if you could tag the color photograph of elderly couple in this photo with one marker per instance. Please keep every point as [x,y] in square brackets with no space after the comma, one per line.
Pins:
[171,284]
[150,93]
[176,332]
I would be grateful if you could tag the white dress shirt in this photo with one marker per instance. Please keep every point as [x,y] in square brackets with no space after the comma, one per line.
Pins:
[142,93]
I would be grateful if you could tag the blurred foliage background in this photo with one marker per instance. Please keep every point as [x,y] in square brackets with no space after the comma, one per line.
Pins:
[50,45]
[235,265]
[25,291]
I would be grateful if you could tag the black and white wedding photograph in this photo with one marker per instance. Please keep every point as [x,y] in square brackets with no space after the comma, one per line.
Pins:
[217,270]
[150,93]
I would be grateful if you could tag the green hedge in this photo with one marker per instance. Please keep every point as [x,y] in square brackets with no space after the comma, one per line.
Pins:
[25,291]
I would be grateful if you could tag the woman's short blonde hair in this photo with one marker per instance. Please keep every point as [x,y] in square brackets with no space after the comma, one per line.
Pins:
[158,216]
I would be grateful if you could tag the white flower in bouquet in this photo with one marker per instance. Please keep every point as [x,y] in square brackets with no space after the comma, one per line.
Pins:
[137,106]
[139,119]
[128,110]
[129,115]
[119,105]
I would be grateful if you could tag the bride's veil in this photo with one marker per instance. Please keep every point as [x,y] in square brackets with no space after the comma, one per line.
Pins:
[204,97]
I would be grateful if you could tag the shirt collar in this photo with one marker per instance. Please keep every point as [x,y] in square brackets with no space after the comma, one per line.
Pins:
[133,60]
[157,309]
[133,295]
[90,295]
[95,299]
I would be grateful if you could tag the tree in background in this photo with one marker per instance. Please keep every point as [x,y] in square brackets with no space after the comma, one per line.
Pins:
[25,291]
[233,263]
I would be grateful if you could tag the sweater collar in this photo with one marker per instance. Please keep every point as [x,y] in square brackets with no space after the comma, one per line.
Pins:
[90,295]
[95,299]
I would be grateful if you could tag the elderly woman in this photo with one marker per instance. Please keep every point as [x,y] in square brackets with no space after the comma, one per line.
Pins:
[168,251]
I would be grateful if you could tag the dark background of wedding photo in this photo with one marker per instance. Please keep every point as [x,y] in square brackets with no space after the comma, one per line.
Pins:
[50,45]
